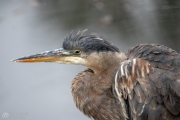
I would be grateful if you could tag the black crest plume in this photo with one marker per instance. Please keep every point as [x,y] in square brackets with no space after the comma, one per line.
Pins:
[87,43]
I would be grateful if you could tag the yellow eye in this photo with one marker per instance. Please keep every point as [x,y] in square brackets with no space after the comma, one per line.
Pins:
[77,52]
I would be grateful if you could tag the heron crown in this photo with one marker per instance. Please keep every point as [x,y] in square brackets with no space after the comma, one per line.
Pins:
[87,43]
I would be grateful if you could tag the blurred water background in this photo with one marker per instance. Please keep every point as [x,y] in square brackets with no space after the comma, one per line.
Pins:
[42,91]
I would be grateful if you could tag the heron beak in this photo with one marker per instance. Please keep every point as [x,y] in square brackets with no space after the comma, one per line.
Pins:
[47,56]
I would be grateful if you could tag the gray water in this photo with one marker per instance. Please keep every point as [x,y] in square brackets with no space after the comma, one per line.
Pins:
[42,91]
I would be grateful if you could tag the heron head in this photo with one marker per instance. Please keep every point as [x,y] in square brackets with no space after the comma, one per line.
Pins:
[77,49]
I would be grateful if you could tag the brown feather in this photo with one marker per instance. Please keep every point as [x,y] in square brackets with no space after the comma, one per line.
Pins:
[155,70]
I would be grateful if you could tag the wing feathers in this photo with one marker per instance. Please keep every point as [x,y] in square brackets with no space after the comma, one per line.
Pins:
[150,80]
[152,83]
[177,87]
[139,93]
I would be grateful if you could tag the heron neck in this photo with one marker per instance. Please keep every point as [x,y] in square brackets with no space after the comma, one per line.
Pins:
[106,63]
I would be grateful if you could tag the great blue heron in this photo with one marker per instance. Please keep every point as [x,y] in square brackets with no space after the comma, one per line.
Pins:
[143,84]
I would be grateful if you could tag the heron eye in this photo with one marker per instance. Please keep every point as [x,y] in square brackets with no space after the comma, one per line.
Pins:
[77,52]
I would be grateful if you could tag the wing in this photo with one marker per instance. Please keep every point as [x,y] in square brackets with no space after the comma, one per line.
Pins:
[150,81]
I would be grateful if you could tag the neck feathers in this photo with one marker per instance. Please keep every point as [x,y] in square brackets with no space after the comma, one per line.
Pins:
[105,61]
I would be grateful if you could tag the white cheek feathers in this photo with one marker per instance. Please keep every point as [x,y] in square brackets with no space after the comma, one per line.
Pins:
[72,60]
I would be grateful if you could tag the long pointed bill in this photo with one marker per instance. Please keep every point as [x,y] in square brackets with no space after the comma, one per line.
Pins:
[47,56]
